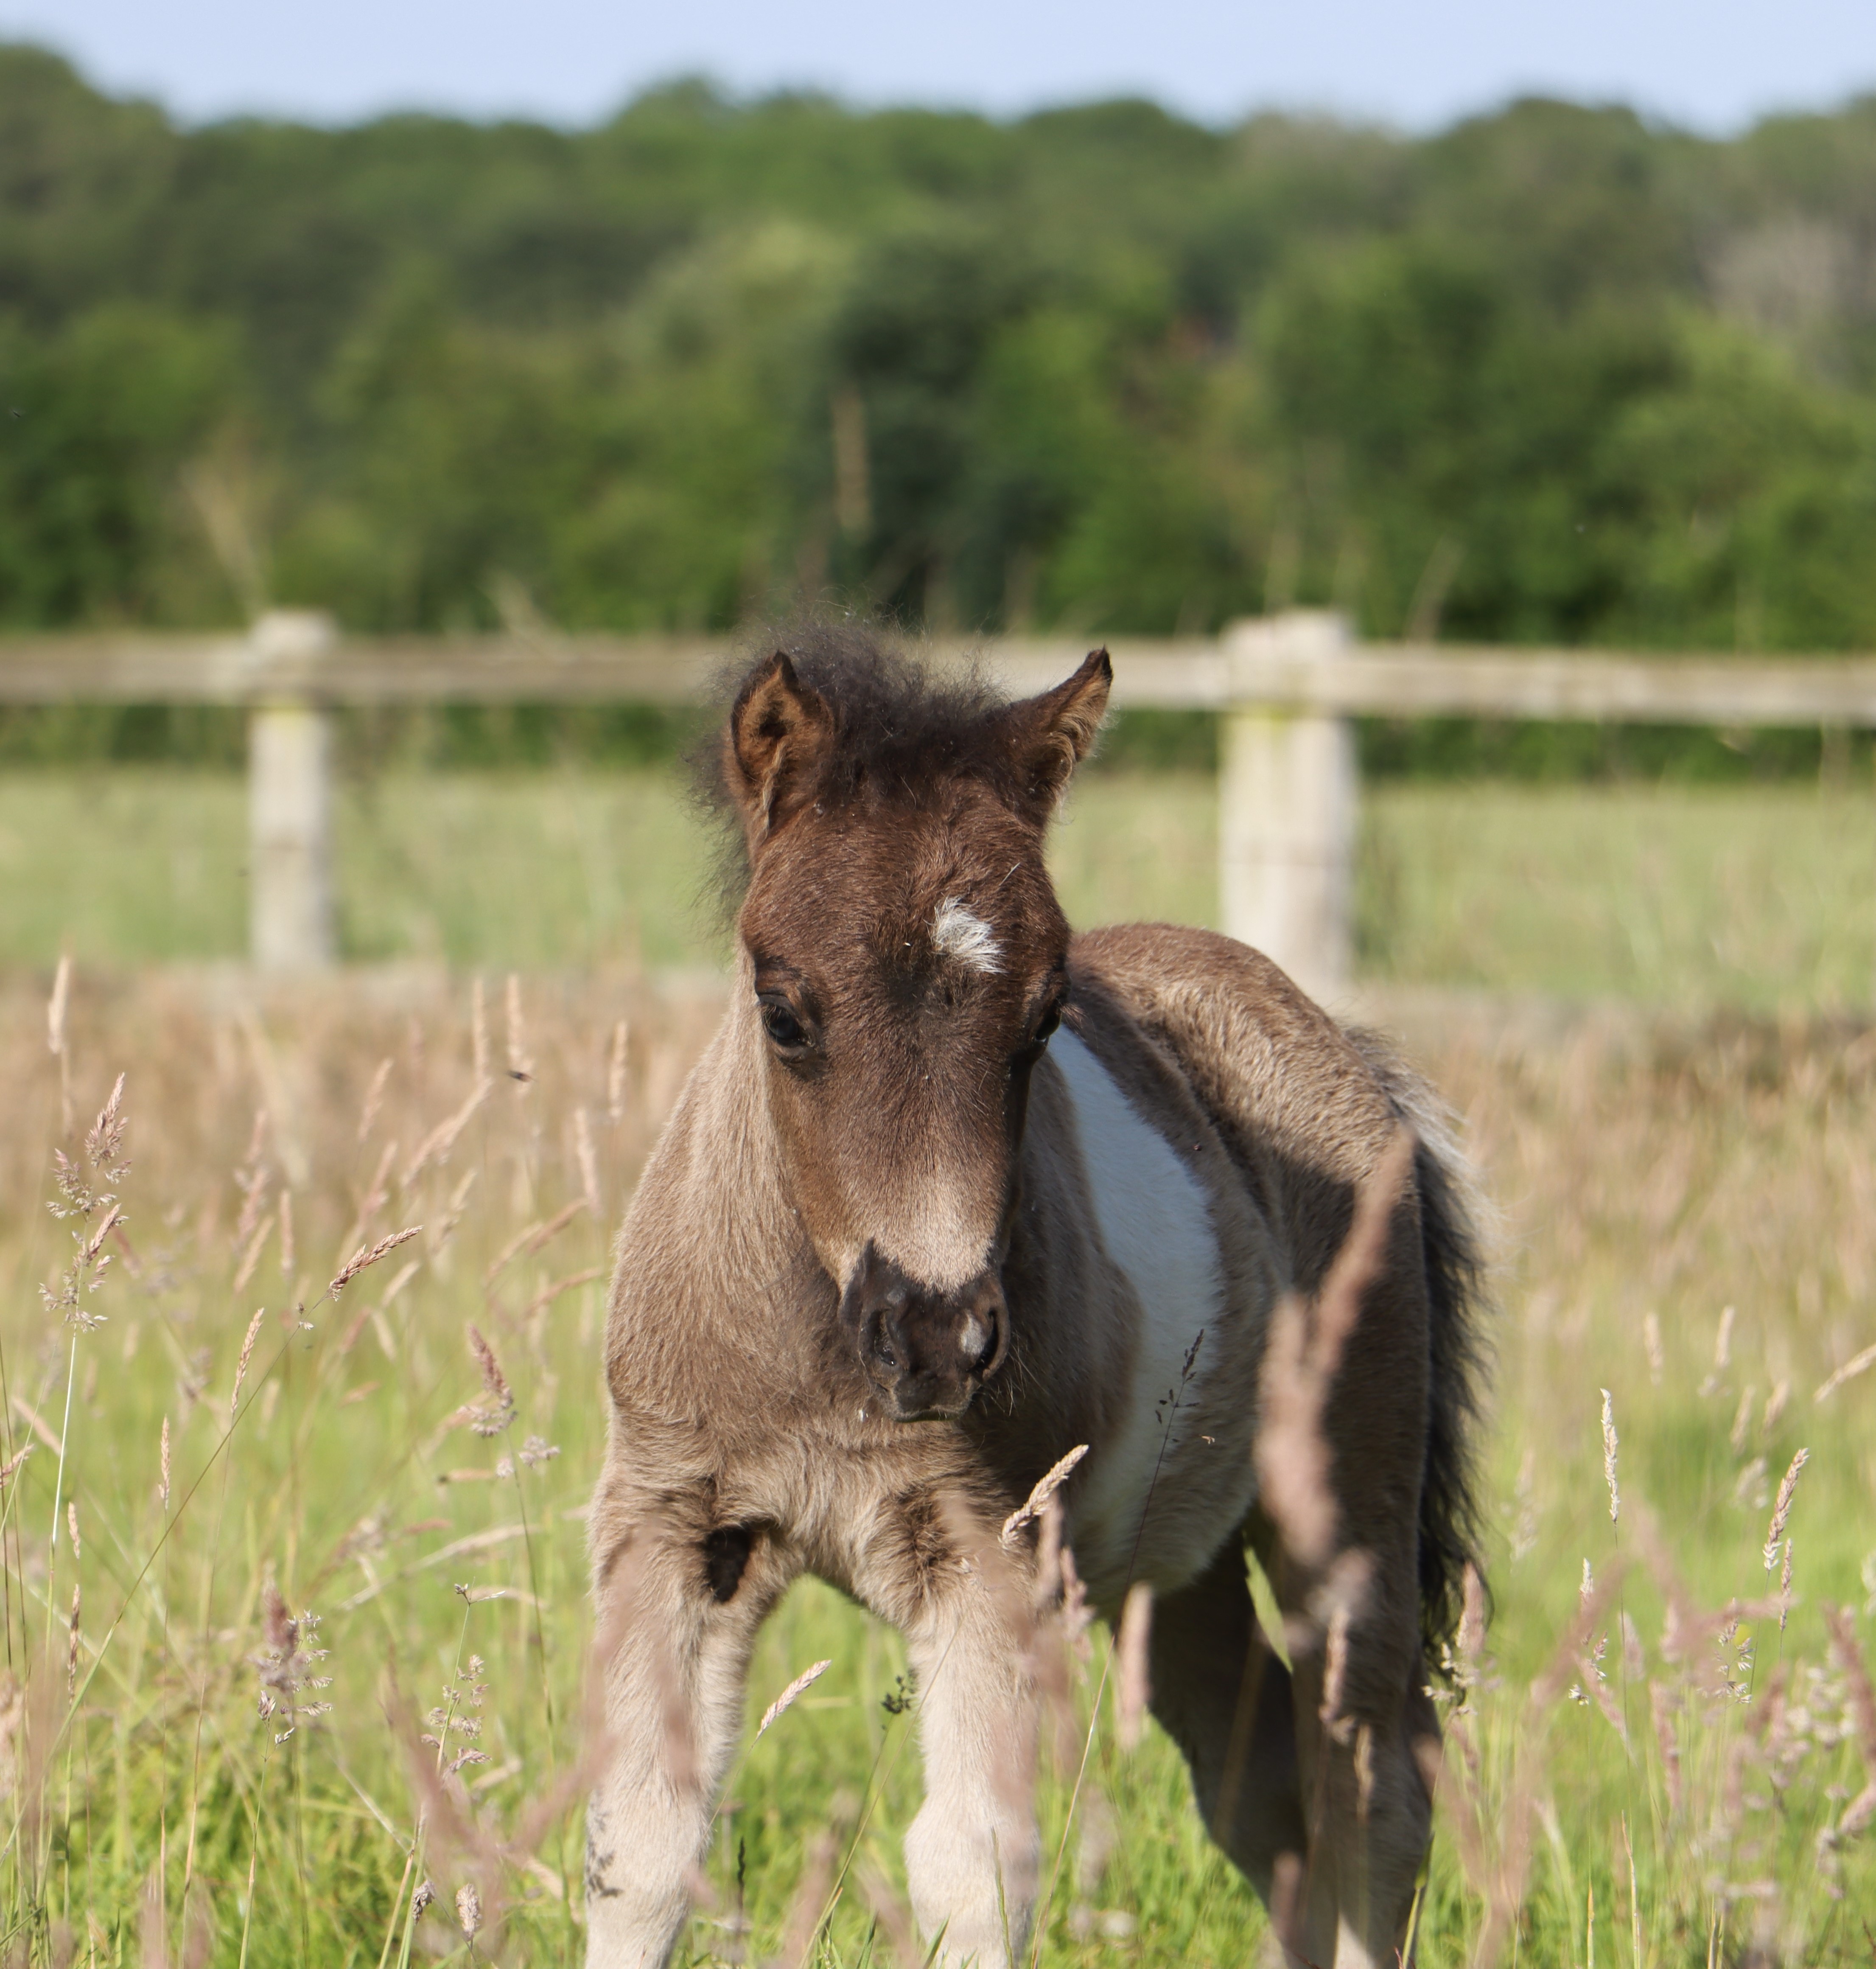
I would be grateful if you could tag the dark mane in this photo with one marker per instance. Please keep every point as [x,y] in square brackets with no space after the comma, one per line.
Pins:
[899,727]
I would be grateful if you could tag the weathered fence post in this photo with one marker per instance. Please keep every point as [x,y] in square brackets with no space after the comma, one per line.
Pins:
[1287,801]
[289,797]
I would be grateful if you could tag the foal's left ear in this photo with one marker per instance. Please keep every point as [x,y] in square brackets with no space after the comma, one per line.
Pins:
[1054,733]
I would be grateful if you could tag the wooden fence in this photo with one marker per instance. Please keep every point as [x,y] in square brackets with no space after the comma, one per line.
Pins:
[1286,688]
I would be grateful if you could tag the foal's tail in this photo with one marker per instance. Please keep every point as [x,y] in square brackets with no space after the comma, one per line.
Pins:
[1453,1214]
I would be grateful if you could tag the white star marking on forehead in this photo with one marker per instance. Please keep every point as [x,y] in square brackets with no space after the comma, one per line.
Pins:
[956,933]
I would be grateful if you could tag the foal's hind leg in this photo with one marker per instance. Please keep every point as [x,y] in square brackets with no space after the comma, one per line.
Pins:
[1367,1813]
[1224,1698]
[1330,1826]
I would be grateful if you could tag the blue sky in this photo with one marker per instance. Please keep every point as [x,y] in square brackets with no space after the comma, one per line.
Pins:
[1711,64]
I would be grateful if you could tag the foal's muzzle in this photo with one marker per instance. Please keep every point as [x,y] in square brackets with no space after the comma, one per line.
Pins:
[927,1352]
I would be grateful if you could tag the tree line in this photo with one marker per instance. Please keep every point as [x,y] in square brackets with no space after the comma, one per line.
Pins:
[1554,374]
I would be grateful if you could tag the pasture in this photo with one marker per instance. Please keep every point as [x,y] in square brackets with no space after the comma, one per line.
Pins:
[1661,1752]
[1692,896]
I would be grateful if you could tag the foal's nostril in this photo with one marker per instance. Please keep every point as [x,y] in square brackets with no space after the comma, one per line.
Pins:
[984,1331]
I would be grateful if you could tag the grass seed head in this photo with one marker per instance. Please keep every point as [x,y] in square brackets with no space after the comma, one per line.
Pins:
[495,1410]
[1046,1486]
[251,1178]
[588,1161]
[520,1062]
[287,1234]
[1667,1738]
[1781,1509]
[786,1700]
[101,1161]
[247,1353]
[251,1256]
[615,1076]
[1857,1365]
[1741,1420]
[373,1099]
[1469,1644]
[1301,1356]
[453,1214]
[1134,1645]
[56,1007]
[436,1146]
[364,1257]
[286,1663]
[103,1141]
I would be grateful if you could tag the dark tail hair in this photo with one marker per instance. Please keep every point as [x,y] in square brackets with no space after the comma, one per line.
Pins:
[1452,1212]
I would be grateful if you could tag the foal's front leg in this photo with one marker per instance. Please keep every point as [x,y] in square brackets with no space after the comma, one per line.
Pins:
[972,1853]
[678,1617]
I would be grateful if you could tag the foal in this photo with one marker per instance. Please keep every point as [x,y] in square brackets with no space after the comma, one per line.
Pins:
[951,1193]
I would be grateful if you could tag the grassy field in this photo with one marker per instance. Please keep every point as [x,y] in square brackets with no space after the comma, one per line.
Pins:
[1690,1223]
[1761,897]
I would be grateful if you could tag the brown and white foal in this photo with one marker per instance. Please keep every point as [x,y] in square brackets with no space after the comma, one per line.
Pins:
[951,1192]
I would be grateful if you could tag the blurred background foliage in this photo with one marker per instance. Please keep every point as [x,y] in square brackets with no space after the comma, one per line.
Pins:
[1553,375]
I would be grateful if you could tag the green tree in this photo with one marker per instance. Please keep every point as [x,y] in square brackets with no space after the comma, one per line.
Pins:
[97,422]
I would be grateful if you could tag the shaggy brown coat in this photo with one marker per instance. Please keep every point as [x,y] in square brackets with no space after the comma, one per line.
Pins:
[895,1255]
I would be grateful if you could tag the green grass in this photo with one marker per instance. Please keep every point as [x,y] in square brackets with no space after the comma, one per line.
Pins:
[1676,1176]
[1763,897]
[1759,897]
[131,865]
[1695,1169]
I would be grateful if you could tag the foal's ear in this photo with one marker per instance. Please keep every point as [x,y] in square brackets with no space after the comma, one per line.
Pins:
[1054,733]
[778,731]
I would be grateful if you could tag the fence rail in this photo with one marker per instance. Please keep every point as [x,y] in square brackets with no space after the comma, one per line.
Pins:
[1387,680]
[1286,687]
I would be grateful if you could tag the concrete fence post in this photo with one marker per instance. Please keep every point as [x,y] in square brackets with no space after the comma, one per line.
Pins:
[1287,810]
[289,796]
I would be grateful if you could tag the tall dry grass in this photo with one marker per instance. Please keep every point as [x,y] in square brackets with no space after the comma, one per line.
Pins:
[294,1575]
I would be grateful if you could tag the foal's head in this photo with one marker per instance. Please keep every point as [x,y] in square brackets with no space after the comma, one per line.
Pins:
[910,965]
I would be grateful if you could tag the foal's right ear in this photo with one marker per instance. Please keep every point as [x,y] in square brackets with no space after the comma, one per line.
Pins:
[779,730]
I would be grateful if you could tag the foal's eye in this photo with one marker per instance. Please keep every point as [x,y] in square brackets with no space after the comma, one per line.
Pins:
[1032,1049]
[781,1025]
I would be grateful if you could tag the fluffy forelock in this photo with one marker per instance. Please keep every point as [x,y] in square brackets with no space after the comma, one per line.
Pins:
[898,728]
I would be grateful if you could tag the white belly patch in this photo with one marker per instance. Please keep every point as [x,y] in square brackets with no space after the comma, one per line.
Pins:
[1156,1225]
